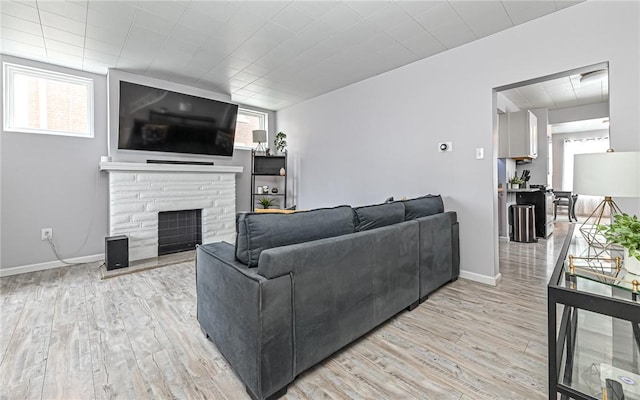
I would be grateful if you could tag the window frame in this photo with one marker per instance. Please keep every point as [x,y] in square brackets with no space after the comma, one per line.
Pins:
[261,114]
[10,70]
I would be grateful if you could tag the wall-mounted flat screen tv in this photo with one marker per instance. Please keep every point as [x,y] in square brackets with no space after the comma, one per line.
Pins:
[153,119]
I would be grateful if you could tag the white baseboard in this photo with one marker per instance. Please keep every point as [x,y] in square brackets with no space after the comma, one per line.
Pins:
[487,280]
[23,269]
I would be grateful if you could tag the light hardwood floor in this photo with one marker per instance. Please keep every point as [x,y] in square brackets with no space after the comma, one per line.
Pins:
[66,334]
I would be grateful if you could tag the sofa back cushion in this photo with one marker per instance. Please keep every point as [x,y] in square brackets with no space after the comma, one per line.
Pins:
[423,207]
[242,245]
[258,232]
[379,215]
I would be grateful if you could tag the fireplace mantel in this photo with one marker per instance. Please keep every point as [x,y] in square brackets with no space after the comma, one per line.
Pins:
[153,167]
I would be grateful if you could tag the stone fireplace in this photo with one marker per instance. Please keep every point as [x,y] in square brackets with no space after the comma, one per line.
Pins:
[139,191]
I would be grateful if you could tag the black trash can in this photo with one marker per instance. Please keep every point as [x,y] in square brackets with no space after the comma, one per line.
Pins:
[524,223]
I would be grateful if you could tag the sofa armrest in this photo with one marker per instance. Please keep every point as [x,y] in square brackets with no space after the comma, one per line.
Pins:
[439,251]
[248,317]
[455,243]
[225,253]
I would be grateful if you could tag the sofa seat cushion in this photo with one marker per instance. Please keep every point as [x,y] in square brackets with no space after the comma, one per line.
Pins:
[257,232]
[423,207]
[379,215]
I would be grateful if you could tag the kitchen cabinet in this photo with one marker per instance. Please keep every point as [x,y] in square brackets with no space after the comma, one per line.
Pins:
[518,135]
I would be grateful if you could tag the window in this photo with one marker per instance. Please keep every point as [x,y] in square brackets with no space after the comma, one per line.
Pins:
[47,102]
[579,146]
[248,121]
[585,204]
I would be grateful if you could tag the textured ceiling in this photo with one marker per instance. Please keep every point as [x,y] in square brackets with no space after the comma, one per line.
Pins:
[563,92]
[568,91]
[268,54]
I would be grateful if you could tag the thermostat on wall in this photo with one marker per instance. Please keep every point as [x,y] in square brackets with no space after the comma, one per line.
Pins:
[445,146]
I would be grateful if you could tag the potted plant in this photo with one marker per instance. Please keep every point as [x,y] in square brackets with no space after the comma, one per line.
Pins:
[625,231]
[515,182]
[266,202]
[280,141]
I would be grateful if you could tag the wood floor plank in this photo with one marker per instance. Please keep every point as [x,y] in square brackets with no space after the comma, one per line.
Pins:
[338,373]
[115,370]
[68,334]
[71,376]
[69,373]
[13,302]
[23,368]
[403,371]
[449,360]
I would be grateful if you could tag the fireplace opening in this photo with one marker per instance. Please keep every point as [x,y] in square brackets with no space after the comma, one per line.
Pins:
[179,231]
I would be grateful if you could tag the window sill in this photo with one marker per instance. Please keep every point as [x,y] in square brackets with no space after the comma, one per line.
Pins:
[240,147]
[89,135]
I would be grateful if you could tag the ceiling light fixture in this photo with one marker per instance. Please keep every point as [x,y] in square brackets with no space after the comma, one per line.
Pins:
[594,76]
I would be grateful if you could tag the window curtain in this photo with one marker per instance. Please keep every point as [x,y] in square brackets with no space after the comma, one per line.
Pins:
[585,204]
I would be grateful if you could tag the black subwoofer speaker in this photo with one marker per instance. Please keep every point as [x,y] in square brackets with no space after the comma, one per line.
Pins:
[116,252]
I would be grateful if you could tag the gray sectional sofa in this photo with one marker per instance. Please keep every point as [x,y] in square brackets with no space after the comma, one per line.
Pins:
[295,288]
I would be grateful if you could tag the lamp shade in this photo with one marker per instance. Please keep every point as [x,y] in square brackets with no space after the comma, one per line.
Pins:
[615,174]
[259,136]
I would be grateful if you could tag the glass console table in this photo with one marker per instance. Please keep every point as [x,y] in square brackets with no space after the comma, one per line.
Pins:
[593,324]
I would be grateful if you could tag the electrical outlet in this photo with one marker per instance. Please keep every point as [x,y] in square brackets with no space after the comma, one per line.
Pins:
[47,234]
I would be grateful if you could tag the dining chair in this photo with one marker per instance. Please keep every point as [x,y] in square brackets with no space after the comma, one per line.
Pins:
[564,199]
[574,200]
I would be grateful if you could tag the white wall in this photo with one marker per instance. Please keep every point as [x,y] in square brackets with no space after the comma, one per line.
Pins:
[51,181]
[378,137]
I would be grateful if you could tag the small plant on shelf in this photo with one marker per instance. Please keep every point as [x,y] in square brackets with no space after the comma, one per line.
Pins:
[280,141]
[266,202]
[515,182]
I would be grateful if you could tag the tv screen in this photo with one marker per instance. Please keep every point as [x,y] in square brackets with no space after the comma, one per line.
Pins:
[153,119]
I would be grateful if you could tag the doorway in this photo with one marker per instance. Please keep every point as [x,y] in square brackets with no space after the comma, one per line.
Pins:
[571,114]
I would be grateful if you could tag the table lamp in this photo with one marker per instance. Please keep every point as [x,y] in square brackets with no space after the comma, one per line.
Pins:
[260,137]
[610,174]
